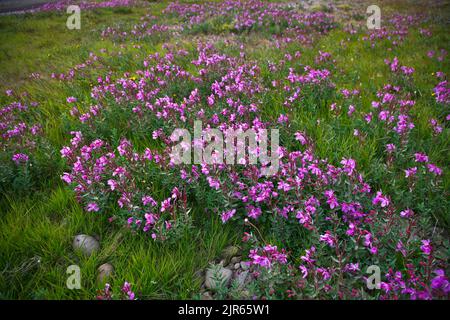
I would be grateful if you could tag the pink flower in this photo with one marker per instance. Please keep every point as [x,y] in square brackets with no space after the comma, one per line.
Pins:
[211,100]
[283,118]
[148,200]
[406,213]
[308,255]
[328,238]
[20,157]
[120,171]
[351,109]
[227,215]
[351,229]
[112,184]
[66,152]
[352,267]
[349,165]
[150,218]
[390,148]
[126,288]
[213,183]
[401,248]
[331,199]
[426,247]
[440,282]
[421,157]
[380,199]
[434,169]
[165,205]
[304,271]
[253,212]
[66,177]
[300,136]
[92,206]
[410,172]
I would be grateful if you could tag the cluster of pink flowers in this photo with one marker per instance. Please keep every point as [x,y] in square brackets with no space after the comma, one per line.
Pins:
[102,176]
[392,111]
[145,28]
[442,90]
[395,67]
[254,14]
[19,134]
[79,71]
[62,5]
[126,293]
[349,224]
[267,256]
[395,29]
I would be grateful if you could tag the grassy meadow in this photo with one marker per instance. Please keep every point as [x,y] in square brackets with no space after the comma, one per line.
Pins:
[37,224]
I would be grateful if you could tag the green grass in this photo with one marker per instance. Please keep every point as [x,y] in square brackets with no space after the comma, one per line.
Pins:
[41,226]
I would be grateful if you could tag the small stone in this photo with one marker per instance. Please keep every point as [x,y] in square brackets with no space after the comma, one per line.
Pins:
[86,244]
[105,271]
[243,279]
[237,266]
[199,273]
[235,260]
[245,295]
[206,296]
[217,276]
[229,252]
[244,265]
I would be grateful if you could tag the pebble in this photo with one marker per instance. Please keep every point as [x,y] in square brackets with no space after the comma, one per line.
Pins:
[105,271]
[217,276]
[244,265]
[86,244]
[235,260]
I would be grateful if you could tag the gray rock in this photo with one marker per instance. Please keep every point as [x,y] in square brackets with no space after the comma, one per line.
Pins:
[86,244]
[105,271]
[228,253]
[244,265]
[235,260]
[245,295]
[243,279]
[199,273]
[206,296]
[217,276]
[237,266]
